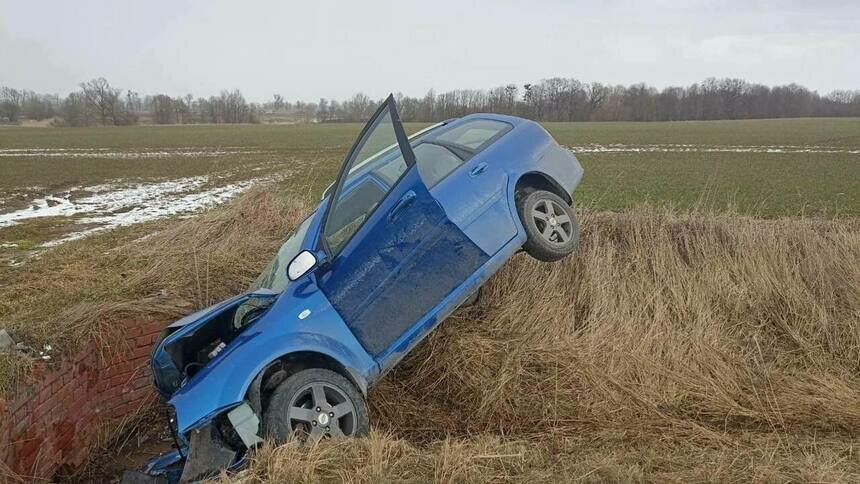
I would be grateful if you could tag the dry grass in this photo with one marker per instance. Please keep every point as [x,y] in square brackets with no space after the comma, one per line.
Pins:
[79,291]
[591,457]
[668,348]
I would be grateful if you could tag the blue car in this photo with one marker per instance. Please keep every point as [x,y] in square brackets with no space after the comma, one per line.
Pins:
[408,232]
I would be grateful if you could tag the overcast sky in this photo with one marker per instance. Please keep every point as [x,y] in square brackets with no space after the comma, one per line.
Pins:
[319,48]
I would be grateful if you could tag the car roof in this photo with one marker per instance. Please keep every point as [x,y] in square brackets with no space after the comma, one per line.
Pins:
[514,120]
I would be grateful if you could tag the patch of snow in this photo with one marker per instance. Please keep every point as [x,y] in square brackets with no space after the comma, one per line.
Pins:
[124,154]
[692,148]
[105,199]
[109,206]
[157,206]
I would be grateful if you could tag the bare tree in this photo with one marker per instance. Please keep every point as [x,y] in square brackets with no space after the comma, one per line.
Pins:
[668,104]
[596,94]
[323,113]
[358,107]
[74,110]
[277,102]
[162,109]
[732,94]
[102,99]
[10,103]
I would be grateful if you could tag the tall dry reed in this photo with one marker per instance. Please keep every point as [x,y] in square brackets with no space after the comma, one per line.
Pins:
[668,347]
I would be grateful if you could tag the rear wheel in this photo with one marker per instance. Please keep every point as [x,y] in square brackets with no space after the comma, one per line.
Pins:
[313,404]
[550,225]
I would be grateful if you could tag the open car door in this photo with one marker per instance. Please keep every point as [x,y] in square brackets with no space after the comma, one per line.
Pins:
[393,253]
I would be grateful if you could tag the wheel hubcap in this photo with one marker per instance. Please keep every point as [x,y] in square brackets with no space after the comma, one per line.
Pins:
[322,410]
[553,223]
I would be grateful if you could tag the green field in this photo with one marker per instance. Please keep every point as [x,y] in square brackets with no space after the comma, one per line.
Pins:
[767,168]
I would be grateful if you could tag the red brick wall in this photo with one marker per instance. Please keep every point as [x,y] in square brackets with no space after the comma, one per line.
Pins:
[56,419]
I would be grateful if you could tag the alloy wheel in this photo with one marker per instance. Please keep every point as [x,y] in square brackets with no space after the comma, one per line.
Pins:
[322,410]
[554,225]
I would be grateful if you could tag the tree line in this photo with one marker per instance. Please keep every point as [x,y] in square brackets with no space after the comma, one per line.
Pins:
[555,99]
[97,103]
[562,99]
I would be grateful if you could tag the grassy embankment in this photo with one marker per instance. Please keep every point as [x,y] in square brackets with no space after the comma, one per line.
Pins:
[670,346]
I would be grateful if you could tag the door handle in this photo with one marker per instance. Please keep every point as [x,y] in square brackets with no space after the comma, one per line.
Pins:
[401,205]
[477,170]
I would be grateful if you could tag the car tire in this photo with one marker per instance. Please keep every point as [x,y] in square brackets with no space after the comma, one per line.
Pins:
[296,408]
[550,224]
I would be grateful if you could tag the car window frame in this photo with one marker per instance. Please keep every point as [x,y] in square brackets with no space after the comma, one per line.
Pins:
[486,144]
[408,157]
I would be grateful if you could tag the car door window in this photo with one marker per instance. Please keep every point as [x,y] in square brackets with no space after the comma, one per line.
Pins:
[357,193]
[475,135]
[435,162]
[356,206]
[391,170]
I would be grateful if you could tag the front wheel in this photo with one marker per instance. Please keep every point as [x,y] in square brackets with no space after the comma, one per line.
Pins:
[313,404]
[550,226]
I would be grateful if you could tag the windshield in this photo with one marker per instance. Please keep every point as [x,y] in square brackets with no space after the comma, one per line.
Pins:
[274,276]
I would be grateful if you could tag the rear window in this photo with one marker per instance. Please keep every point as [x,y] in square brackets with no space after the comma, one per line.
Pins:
[476,134]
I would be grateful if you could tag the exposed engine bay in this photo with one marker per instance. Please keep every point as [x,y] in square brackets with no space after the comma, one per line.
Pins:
[195,349]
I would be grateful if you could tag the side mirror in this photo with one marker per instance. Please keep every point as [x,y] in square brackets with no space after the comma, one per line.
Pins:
[301,264]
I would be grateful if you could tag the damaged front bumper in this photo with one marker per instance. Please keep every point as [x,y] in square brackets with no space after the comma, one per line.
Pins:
[222,439]
[221,444]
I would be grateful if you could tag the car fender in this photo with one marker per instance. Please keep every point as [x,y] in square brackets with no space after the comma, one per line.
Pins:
[530,149]
[545,156]
[561,166]
[225,381]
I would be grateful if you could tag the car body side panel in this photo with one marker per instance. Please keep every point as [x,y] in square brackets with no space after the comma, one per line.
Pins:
[494,226]
[561,165]
[224,382]
[477,204]
[530,149]
[474,195]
